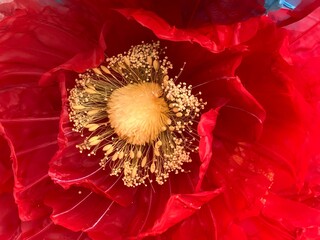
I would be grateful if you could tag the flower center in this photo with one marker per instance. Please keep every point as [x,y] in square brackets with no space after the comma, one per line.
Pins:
[130,110]
[138,113]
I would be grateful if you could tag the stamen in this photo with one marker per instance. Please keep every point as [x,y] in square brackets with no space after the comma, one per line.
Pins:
[136,113]
[132,111]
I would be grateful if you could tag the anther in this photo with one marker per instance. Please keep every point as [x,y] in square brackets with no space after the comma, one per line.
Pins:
[115,156]
[107,147]
[179,114]
[131,154]
[144,162]
[139,154]
[97,71]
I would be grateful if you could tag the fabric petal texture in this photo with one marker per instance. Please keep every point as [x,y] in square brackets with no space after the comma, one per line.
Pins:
[9,219]
[255,171]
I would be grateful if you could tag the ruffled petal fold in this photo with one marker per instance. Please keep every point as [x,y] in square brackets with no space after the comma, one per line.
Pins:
[179,207]
[59,38]
[287,127]
[284,211]
[9,218]
[215,38]
[205,130]
[45,229]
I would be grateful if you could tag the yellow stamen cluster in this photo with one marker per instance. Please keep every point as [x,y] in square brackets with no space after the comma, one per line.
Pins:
[132,111]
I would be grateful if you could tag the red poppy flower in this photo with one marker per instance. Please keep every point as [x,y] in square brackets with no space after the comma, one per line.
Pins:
[256,172]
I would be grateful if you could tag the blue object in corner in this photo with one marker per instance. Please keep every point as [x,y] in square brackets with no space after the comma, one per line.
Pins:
[271,5]
[291,4]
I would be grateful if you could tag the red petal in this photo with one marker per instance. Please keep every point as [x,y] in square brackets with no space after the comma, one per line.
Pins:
[6,175]
[265,229]
[26,113]
[9,6]
[180,207]
[234,232]
[139,218]
[304,37]
[29,113]
[200,225]
[289,116]
[31,44]
[81,209]
[291,212]
[215,38]
[30,124]
[72,208]
[46,229]
[228,11]
[241,119]
[194,13]
[9,219]
[303,49]
[31,175]
[205,129]
[248,172]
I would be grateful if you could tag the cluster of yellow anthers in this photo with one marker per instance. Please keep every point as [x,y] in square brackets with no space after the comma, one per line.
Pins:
[132,111]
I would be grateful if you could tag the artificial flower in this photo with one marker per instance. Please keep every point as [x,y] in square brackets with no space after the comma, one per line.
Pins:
[254,174]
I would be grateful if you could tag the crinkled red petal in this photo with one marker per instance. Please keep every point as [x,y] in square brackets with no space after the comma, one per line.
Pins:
[9,219]
[28,195]
[215,38]
[6,175]
[279,161]
[26,112]
[179,207]
[193,13]
[225,11]
[303,36]
[302,49]
[289,115]
[285,211]
[146,215]
[29,113]
[56,39]
[9,7]
[45,229]
[205,131]
[187,14]
[264,228]
[28,117]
